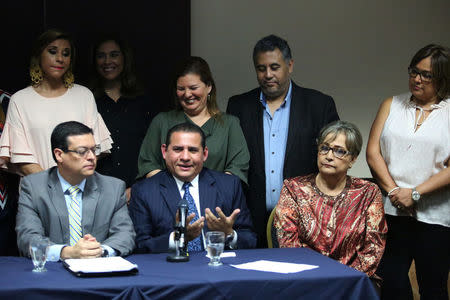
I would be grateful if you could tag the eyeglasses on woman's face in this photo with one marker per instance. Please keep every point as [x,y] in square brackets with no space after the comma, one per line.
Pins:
[337,151]
[425,76]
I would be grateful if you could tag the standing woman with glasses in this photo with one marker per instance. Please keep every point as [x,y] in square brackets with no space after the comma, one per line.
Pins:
[330,212]
[51,99]
[408,153]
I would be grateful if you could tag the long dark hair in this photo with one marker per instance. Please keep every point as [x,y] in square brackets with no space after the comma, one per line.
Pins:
[130,85]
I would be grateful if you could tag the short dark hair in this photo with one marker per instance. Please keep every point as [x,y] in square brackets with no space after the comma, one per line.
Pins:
[63,130]
[440,67]
[198,66]
[270,43]
[130,85]
[44,40]
[186,127]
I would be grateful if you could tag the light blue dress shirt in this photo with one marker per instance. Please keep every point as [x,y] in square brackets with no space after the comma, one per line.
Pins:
[276,129]
[54,251]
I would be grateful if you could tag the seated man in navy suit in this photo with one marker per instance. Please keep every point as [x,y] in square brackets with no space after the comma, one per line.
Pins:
[216,201]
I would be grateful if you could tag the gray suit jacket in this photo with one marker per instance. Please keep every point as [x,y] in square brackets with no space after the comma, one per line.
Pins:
[43,211]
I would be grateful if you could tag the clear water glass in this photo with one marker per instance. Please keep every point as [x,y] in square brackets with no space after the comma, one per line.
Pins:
[215,242]
[38,252]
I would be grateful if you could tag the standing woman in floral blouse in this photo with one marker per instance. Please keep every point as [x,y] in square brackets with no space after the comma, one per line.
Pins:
[330,212]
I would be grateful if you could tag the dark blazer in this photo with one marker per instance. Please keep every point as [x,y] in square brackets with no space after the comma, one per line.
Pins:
[154,203]
[310,111]
[43,211]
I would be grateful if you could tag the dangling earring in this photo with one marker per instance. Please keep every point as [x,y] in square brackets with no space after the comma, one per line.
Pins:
[36,75]
[68,79]
[208,98]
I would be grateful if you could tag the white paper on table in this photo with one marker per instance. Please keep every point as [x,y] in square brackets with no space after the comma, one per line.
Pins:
[224,254]
[274,266]
[100,265]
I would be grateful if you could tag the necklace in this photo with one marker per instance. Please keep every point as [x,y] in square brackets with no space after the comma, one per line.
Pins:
[418,106]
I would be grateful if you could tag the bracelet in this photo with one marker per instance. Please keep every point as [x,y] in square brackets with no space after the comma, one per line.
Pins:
[393,190]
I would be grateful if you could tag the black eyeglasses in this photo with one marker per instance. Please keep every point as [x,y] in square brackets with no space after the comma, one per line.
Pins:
[425,76]
[83,151]
[337,152]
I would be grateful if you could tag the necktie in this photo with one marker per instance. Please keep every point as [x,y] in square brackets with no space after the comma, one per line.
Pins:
[195,244]
[74,216]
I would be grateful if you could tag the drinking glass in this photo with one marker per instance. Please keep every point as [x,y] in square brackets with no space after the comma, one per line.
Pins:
[38,252]
[215,241]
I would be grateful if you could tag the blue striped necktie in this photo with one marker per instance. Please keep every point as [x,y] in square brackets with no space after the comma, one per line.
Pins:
[74,216]
[195,244]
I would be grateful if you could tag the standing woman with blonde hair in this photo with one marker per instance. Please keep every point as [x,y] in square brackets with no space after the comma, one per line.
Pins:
[408,153]
[52,98]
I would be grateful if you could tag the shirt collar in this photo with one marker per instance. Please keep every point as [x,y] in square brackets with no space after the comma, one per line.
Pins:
[65,185]
[262,97]
[194,183]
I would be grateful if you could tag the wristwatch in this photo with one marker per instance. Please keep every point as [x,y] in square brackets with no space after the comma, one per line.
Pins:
[104,252]
[415,195]
[229,238]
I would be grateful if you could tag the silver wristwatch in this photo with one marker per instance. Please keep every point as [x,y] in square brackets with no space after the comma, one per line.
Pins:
[229,238]
[415,195]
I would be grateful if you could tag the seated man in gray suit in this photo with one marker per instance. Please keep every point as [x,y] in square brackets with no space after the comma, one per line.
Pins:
[83,213]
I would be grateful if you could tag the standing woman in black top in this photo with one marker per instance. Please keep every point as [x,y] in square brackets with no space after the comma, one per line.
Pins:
[121,101]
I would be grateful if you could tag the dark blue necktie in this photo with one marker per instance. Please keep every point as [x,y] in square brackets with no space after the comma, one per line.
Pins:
[195,244]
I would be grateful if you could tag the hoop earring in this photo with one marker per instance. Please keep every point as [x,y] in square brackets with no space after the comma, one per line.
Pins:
[68,79]
[36,75]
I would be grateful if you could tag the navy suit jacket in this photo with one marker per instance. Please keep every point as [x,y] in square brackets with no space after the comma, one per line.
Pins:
[310,110]
[154,203]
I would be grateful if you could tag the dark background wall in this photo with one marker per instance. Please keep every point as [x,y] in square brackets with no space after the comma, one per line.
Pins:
[158,32]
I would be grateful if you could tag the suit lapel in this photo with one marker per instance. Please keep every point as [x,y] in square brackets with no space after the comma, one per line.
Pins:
[56,195]
[169,192]
[207,193]
[259,129]
[296,115]
[90,201]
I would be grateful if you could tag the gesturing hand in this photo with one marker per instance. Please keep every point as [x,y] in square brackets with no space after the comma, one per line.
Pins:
[221,223]
[195,229]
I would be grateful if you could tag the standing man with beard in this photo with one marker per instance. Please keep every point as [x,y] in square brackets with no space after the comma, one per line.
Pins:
[281,122]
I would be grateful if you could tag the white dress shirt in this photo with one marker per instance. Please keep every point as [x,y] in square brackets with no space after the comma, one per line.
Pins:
[194,191]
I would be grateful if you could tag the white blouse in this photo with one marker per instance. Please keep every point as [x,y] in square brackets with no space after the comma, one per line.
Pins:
[31,119]
[414,156]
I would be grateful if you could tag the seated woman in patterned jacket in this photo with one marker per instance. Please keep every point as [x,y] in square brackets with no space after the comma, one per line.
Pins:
[330,212]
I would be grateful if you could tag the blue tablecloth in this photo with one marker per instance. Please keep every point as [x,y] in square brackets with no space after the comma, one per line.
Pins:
[192,280]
